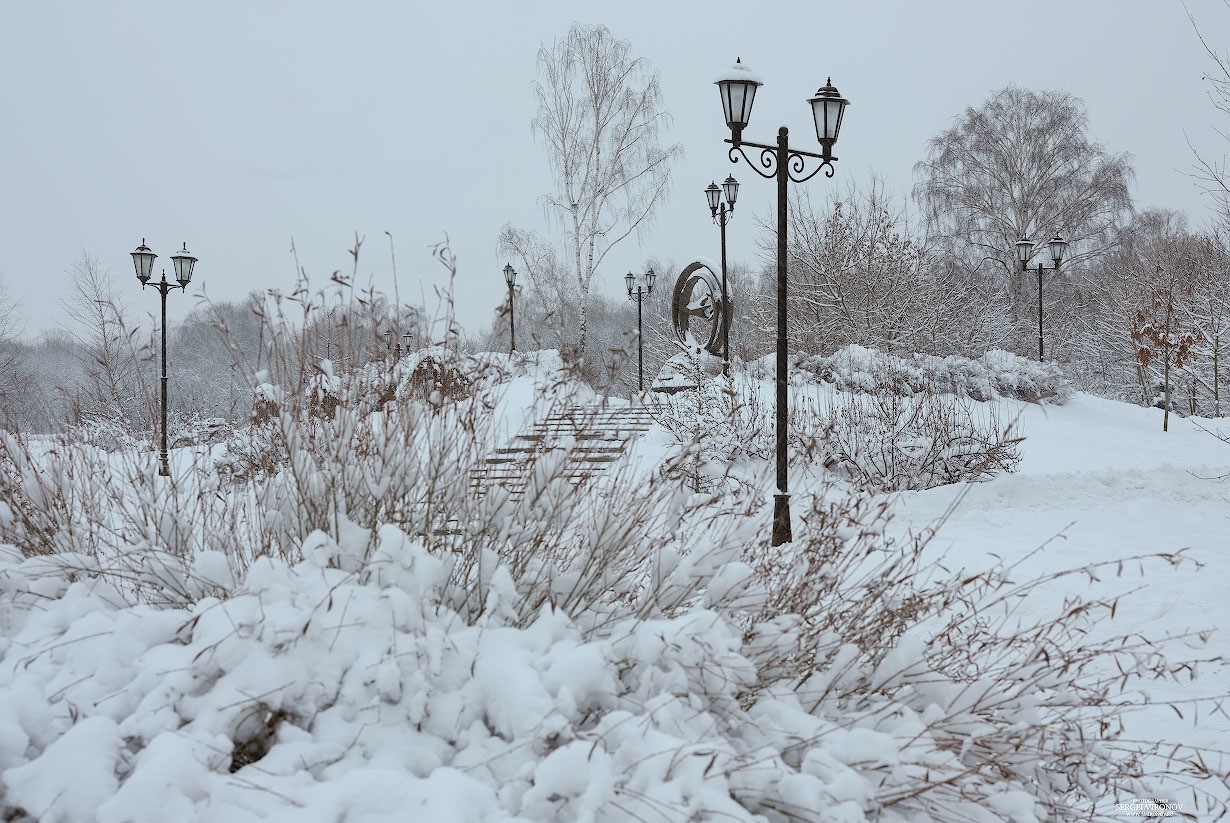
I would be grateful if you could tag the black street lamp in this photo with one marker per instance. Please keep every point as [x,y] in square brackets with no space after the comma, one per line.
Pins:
[1024,251]
[406,337]
[510,277]
[722,211]
[642,290]
[737,88]
[143,262]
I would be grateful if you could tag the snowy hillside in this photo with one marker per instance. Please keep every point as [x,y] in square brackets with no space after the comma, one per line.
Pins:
[630,654]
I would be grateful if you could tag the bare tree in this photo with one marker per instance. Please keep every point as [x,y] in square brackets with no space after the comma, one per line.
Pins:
[1209,310]
[1213,170]
[1023,163]
[551,289]
[856,272]
[112,349]
[600,117]
[12,368]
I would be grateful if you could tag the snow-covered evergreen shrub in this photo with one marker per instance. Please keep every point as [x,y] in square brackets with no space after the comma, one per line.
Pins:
[996,374]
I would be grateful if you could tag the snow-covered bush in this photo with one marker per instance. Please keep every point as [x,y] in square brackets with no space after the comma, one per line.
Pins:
[721,426]
[841,680]
[201,432]
[877,439]
[996,374]
[882,441]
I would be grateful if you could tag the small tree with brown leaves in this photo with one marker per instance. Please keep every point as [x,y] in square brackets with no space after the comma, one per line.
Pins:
[1158,331]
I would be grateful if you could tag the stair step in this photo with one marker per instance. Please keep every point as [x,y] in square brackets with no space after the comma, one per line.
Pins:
[590,439]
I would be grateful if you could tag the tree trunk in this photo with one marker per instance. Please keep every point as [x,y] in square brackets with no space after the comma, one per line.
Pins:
[1216,379]
[584,304]
[1166,393]
[1167,330]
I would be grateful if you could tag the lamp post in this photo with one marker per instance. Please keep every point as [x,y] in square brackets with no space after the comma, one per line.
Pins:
[642,290]
[143,262]
[722,210]
[510,277]
[1024,251]
[405,341]
[737,87]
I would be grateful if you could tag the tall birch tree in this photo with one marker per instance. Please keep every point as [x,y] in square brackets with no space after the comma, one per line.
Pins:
[600,118]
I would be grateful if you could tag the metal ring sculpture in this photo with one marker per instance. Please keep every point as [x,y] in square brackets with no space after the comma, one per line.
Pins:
[698,296]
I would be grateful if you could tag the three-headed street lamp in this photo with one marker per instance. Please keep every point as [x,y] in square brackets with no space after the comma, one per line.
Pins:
[1024,251]
[143,262]
[642,290]
[737,87]
[510,277]
[722,210]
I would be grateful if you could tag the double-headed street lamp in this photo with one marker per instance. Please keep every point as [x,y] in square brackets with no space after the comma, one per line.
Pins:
[737,87]
[642,290]
[397,348]
[143,261]
[722,211]
[1024,251]
[510,277]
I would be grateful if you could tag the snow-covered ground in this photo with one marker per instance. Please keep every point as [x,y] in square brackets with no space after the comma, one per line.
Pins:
[387,704]
[1100,480]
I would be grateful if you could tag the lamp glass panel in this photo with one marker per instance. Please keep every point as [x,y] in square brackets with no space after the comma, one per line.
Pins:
[834,110]
[749,95]
[817,114]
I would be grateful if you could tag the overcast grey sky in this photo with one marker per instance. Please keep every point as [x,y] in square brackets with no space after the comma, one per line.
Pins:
[237,125]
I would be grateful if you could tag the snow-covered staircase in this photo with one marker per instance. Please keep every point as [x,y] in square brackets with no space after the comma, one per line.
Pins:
[586,439]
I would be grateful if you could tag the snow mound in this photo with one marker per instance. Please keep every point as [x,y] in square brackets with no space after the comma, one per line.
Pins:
[317,694]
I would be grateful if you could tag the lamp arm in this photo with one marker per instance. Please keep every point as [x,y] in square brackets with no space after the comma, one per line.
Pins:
[797,161]
[768,158]
[798,165]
